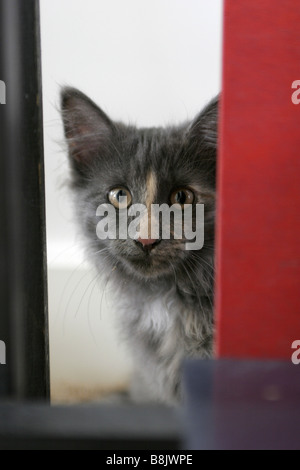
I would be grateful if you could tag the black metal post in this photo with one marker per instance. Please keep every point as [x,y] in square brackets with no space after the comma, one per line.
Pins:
[23,291]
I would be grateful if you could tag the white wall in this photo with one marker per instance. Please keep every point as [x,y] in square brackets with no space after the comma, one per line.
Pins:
[146,62]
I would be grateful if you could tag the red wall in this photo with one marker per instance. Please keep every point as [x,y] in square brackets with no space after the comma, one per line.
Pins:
[258,236]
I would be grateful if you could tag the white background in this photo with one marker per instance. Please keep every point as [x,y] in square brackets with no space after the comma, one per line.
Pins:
[145,62]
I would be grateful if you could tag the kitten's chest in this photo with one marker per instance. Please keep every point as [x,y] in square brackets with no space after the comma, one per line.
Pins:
[152,327]
[158,317]
[161,330]
[154,314]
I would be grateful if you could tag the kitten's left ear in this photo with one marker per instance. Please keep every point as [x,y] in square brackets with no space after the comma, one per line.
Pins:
[205,126]
[203,137]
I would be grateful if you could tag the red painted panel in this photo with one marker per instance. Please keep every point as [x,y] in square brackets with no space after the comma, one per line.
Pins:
[258,236]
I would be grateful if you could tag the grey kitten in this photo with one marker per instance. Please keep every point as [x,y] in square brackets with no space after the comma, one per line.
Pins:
[165,292]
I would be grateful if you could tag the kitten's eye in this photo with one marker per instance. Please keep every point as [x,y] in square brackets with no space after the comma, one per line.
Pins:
[115,196]
[182,196]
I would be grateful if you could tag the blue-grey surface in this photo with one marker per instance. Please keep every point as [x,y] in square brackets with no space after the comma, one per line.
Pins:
[237,404]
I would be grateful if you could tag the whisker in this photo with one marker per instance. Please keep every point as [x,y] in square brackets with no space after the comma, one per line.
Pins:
[51,262]
[208,295]
[87,273]
[96,278]
[211,266]
[100,251]
[62,296]
[195,290]
[104,290]
[86,290]
[174,271]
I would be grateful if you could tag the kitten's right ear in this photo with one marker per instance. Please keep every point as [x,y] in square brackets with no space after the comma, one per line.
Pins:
[87,128]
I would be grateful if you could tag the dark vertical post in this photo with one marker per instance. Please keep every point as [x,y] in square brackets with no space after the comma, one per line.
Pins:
[23,292]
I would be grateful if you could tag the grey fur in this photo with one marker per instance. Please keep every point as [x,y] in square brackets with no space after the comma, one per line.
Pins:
[165,311]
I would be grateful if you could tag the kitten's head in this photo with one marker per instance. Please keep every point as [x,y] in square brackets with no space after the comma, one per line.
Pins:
[148,166]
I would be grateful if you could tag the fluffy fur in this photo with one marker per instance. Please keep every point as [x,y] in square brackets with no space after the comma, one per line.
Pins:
[165,308]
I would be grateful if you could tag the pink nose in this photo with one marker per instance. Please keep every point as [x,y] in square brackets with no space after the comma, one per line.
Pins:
[147,241]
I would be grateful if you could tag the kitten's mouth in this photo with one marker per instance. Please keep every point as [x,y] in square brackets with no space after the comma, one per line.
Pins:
[150,260]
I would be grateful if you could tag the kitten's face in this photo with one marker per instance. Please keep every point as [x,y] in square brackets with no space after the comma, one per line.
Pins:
[148,166]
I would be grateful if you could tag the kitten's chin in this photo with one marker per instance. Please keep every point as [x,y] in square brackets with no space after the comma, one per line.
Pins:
[146,269]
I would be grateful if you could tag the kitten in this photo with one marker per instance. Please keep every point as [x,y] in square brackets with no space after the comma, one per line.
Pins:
[165,292]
